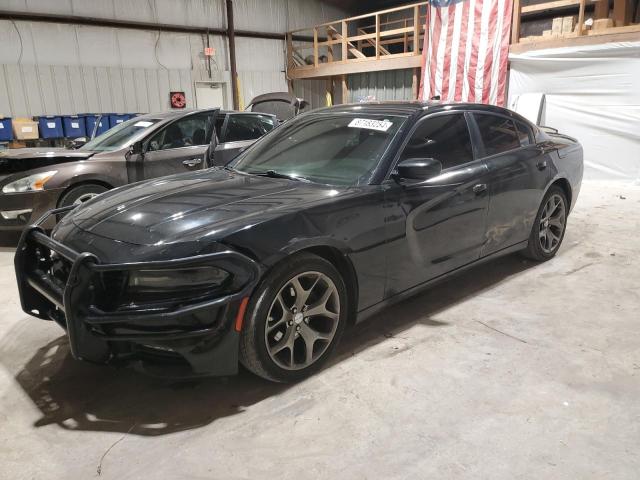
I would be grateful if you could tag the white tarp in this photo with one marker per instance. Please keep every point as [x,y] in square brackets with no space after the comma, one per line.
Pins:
[592,93]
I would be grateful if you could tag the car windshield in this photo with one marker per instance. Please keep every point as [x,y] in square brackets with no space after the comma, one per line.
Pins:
[333,149]
[120,136]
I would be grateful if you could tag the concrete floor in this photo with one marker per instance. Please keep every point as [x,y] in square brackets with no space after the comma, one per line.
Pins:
[509,371]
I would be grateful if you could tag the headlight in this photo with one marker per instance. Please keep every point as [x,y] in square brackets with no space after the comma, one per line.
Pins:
[194,278]
[32,183]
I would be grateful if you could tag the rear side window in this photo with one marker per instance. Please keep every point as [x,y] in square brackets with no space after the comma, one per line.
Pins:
[524,133]
[248,127]
[444,138]
[498,134]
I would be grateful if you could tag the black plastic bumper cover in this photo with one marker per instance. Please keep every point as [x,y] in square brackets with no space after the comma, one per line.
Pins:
[208,350]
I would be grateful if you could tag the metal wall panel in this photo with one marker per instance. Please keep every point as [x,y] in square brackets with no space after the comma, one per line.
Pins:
[48,68]
[380,86]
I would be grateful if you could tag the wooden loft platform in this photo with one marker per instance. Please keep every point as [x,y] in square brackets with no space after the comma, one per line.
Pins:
[578,22]
[389,39]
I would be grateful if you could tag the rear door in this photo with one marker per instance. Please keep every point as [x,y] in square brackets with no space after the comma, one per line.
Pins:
[177,147]
[239,131]
[518,175]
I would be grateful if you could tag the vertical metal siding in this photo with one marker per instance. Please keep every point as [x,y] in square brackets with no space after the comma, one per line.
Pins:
[380,86]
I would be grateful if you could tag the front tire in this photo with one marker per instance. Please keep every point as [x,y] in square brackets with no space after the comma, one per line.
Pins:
[295,319]
[549,226]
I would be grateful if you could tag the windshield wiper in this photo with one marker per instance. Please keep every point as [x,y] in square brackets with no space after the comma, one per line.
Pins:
[274,174]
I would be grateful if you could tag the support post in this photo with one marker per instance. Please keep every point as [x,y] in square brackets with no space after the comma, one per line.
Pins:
[515,26]
[345,88]
[377,36]
[315,46]
[231,33]
[581,16]
[345,34]
[414,84]
[416,29]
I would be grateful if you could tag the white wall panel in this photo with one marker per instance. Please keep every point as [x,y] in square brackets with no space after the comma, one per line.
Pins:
[48,68]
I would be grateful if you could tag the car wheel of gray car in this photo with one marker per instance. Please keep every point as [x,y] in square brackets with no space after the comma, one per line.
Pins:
[294,320]
[81,194]
[549,226]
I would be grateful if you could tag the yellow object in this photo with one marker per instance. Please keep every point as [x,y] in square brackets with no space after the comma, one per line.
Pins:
[329,100]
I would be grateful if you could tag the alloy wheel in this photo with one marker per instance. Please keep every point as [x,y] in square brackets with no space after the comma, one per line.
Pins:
[552,223]
[85,197]
[303,319]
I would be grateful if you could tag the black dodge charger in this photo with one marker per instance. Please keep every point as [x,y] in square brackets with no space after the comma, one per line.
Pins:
[324,221]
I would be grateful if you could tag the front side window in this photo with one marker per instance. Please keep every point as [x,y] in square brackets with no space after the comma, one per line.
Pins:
[248,127]
[121,135]
[498,134]
[444,138]
[186,132]
[333,149]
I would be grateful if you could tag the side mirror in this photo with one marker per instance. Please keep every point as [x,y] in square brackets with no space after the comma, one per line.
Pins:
[419,168]
[77,142]
[135,148]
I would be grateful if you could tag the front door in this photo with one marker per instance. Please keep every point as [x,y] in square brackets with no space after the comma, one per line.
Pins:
[518,174]
[176,148]
[436,226]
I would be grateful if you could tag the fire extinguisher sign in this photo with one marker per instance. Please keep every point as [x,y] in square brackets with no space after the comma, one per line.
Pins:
[177,99]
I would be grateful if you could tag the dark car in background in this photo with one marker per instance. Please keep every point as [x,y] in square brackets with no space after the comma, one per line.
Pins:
[332,216]
[33,181]
[283,105]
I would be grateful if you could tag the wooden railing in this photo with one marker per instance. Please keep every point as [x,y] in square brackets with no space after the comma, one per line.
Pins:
[389,37]
[568,28]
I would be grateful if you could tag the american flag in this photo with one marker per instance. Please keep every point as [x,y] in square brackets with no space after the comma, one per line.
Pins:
[466,50]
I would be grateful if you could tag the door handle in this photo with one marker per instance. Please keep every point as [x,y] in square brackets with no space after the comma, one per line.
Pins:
[479,188]
[192,162]
[542,164]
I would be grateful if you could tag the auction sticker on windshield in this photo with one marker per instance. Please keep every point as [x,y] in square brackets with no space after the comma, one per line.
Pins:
[379,125]
[143,124]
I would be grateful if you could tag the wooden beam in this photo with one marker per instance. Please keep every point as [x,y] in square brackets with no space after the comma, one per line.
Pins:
[392,62]
[345,34]
[549,6]
[515,25]
[345,89]
[315,46]
[416,29]
[378,37]
[581,16]
[623,34]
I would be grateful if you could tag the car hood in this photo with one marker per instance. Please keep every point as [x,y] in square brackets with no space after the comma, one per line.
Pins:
[23,159]
[190,207]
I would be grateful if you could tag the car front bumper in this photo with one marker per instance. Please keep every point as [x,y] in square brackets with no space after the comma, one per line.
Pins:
[193,338]
[17,210]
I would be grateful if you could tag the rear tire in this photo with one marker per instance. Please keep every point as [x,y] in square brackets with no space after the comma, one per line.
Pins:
[81,193]
[294,319]
[549,226]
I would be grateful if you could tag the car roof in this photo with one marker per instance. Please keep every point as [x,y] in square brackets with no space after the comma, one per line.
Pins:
[173,114]
[409,107]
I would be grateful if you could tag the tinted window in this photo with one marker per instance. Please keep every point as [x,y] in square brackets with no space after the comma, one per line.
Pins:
[524,133]
[498,134]
[186,132]
[334,149]
[120,135]
[247,127]
[444,137]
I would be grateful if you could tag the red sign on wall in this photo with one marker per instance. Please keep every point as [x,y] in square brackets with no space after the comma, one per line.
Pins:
[178,99]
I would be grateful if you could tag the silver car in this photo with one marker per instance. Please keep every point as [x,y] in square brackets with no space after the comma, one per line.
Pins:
[33,181]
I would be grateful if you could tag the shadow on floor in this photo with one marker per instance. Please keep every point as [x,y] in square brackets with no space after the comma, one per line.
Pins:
[8,241]
[81,396]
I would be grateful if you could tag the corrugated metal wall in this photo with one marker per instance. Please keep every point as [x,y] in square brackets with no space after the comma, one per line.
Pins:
[48,68]
[380,86]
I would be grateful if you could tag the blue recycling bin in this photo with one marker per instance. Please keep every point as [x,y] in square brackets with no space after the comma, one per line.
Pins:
[117,118]
[90,122]
[6,132]
[74,126]
[50,127]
